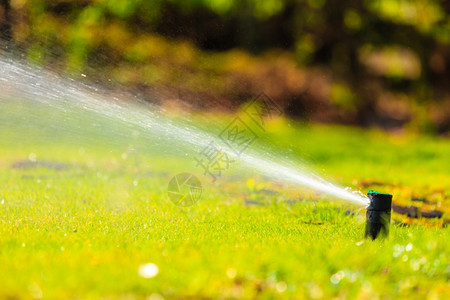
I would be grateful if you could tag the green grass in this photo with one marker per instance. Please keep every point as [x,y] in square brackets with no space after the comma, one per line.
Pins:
[84,231]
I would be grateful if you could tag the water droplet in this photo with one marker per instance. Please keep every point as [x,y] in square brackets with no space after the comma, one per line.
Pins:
[281,286]
[148,270]
[155,297]
[409,247]
[337,277]
[32,157]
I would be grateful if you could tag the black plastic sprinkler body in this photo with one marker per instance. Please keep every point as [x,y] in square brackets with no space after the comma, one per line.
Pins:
[378,216]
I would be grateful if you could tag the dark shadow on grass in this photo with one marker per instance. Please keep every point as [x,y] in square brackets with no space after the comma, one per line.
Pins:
[50,165]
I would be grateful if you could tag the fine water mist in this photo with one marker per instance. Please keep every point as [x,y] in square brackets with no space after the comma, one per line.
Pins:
[30,85]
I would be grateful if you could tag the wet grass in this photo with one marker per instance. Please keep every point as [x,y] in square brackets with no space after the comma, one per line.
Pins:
[78,219]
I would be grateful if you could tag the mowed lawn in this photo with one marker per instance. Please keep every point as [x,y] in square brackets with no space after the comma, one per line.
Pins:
[87,219]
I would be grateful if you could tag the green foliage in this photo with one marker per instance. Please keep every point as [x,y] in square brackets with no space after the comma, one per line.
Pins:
[342,96]
[422,14]
[399,48]
[310,17]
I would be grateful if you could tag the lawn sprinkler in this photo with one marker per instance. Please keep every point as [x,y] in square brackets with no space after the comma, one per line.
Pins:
[378,216]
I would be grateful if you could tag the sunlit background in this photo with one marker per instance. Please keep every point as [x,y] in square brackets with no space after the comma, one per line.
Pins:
[384,62]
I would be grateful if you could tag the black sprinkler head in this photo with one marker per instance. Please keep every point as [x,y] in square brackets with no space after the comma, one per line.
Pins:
[378,216]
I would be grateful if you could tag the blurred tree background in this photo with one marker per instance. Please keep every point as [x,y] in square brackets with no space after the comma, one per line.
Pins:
[364,62]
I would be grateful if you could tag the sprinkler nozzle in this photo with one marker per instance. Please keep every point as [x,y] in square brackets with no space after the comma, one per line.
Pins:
[378,216]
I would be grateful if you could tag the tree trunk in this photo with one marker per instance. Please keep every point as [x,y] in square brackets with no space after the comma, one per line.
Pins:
[5,20]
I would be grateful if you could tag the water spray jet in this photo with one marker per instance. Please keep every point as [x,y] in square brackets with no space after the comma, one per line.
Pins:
[70,100]
[378,216]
